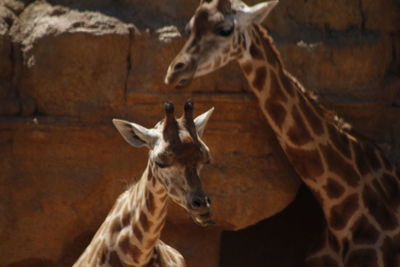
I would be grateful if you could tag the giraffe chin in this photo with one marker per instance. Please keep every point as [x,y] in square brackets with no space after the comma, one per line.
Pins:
[203,220]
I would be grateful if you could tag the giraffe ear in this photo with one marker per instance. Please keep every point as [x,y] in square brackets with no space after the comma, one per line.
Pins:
[201,121]
[257,13]
[135,134]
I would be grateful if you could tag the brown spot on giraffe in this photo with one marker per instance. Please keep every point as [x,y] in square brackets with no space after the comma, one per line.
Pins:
[298,133]
[333,188]
[138,233]
[115,226]
[276,90]
[362,258]
[135,253]
[255,52]
[126,218]
[115,260]
[341,213]
[144,222]
[259,78]
[383,216]
[124,244]
[363,232]
[276,112]
[306,162]
[339,166]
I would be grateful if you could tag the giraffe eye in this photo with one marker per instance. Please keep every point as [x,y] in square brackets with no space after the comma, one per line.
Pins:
[225,31]
[161,165]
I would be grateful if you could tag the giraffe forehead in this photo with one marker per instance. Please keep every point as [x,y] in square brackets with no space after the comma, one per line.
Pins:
[186,150]
[187,153]
[183,153]
[205,20]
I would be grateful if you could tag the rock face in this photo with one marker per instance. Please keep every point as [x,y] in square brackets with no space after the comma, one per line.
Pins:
[68,67]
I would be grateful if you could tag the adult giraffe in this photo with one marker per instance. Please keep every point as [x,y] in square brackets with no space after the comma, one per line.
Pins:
[130,235]
[357,188]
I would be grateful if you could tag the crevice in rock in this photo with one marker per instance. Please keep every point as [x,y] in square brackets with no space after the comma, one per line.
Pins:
[363,15]
[129,64]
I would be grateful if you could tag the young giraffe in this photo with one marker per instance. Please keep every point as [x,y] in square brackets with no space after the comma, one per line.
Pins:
[130,235]
[356,186]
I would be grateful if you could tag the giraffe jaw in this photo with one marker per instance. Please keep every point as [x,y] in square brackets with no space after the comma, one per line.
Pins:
[203,219]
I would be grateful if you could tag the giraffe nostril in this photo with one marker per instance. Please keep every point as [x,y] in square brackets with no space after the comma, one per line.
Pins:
[197,203]
[179,66]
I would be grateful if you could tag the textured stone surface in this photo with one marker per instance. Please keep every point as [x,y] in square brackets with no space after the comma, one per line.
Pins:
[62,70]
[67,67]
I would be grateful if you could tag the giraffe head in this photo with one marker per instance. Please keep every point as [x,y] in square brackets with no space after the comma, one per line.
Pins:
[218,35]
[176,156]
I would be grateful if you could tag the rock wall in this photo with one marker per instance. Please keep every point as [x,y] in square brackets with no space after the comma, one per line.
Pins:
[67,67]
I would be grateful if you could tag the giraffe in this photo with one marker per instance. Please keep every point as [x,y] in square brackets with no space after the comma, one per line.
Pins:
[355,185]
[130,235]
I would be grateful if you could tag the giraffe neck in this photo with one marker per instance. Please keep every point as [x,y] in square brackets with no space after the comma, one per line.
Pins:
[336,166]
[133,227]
[298,124]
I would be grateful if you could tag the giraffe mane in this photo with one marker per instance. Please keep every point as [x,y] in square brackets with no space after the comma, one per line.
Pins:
[331,116]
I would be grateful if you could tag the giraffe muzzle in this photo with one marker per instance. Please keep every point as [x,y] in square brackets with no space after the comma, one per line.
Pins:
[199,208]
[203,219]
[181,74]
